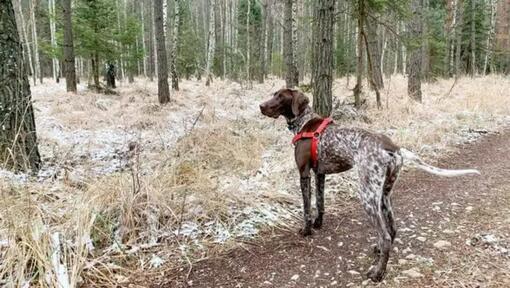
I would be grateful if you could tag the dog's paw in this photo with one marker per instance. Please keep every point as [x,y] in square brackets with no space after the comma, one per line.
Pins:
[307,231]
[317,224]
[375,274]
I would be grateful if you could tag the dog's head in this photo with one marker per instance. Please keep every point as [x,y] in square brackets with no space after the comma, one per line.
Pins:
[287,102]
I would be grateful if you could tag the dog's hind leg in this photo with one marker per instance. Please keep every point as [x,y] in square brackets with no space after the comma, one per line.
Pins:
[319,199]
[372,196]
[307,193]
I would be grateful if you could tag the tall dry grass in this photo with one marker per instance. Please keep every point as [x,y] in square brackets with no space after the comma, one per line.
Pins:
[197,172]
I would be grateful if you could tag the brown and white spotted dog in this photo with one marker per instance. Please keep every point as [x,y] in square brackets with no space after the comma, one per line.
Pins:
[377,159]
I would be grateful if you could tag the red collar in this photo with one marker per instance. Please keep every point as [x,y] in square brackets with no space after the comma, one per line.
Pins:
[314,135]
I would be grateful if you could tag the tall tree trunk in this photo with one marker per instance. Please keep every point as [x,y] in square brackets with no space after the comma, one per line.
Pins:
[142,11]
[53,40]
[269,38]
[295,43]
[154,40]
[210,48]
[449,30]
[26,42]
[373,50]
[18,139]
[37,60]
[248,52]
[458,36]
[473,38]
[425,62]
[288,45]
[218,39]
[414,28]
[359,57]
[490,35]
[323,57]
[163,89]
[95,71]
[69,66]
[175,35]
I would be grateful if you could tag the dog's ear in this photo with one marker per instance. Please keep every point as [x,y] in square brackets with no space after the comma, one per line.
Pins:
[299,102]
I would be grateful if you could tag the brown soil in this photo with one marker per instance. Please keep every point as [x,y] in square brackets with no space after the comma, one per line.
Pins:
[428,209]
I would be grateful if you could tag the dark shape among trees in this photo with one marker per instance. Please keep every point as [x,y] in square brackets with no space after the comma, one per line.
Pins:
[69,65]
[18,139]
[163,88]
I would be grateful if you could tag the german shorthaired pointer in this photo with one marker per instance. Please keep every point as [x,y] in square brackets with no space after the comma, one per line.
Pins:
[377,158]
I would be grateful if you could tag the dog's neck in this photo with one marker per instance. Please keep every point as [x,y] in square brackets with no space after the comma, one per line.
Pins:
[296,124]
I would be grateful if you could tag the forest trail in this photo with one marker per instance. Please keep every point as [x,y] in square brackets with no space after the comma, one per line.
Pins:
[451,232]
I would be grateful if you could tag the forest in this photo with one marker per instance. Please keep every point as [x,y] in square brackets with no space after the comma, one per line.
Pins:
[133,151]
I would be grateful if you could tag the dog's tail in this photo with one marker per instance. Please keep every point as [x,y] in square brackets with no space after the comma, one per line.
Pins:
[412,158]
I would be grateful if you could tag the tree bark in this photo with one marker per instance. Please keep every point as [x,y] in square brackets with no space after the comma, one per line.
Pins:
[490,36]
[473,39]
[69,66]
[26,42]
[211,39]
[53,40]
[374,52]
[414,28]
[163,89]
[37,60]
[359,57]
[173,64]
[18,139]
[458,36]
[269,38]
[288,46]
[323,57]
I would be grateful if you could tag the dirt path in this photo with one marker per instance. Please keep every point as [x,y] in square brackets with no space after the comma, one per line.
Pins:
[470,215]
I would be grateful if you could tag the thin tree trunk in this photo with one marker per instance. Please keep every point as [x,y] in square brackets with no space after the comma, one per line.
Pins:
[143,39]
[248,76]
[37,61]
[211,48]
[372,46]
[359,62]
[414,28]
[473,39]
[490,35]
[458,32]
[295,43]
[155,45]
[269,38]
[323,57]
[18,139]
[69,66]
[27,44]
[173,64]
[163,89]
[288,45]
[53,40]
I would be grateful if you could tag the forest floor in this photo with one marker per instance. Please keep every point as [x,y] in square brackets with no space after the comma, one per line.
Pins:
[451,233]
[130,188]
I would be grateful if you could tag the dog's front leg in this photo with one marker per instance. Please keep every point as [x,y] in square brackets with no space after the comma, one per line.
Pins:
[306,191]
[319,198]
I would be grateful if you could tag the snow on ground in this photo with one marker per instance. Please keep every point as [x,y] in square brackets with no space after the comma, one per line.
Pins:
[210,169]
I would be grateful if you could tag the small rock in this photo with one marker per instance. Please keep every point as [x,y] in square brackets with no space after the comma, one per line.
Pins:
[295,277]
[421,239]
[410,256]
[402,261]
[353,272]
[448,231]
[442,244]
[469,208]
[407,250]
[334,283]
[413,273]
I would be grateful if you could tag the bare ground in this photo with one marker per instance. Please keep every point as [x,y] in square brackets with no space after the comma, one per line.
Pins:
[470,213]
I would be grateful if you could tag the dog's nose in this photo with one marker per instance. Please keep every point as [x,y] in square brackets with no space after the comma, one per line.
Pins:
[262,106]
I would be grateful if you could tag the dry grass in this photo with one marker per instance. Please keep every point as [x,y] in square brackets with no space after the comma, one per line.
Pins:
[134,184]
